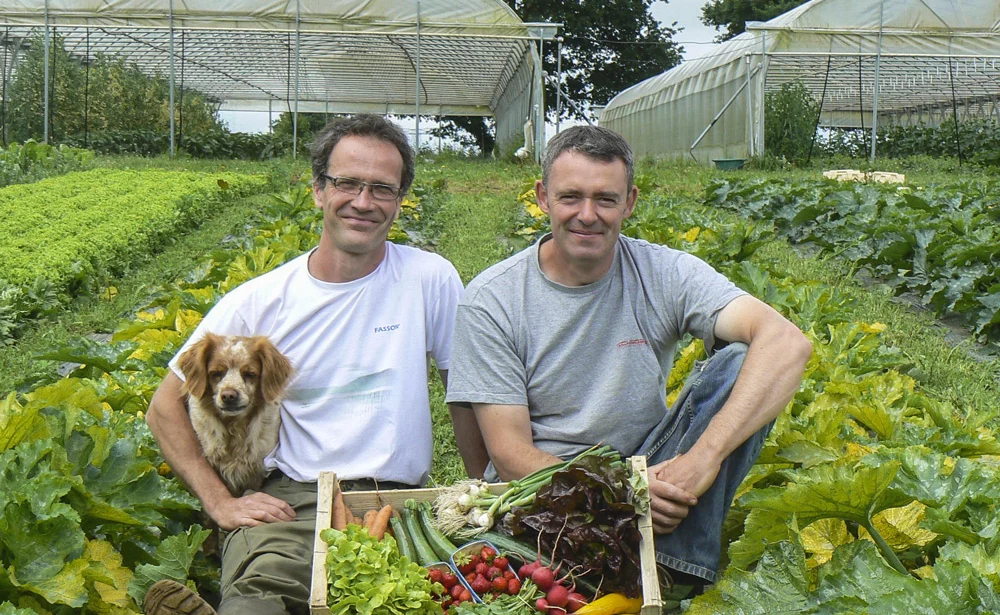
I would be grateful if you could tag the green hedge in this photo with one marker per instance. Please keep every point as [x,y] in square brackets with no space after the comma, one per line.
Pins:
[67,228]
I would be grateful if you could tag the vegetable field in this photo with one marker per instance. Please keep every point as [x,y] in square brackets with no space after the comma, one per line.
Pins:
[876,492]
[64,234]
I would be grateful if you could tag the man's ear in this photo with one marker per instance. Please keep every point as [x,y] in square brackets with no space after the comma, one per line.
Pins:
[194,365]
[542,196]
[630,200]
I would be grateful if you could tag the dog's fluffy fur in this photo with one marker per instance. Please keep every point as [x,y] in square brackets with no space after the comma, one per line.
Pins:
[234,387]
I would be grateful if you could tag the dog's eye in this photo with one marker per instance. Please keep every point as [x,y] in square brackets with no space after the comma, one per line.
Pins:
[249,375]
[216,375]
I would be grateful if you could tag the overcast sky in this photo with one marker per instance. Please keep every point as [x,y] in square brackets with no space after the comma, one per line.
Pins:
[696,37]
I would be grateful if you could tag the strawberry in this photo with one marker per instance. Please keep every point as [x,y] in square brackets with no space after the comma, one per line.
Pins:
[449,580]
[500,585]
[501,562]
[435,575]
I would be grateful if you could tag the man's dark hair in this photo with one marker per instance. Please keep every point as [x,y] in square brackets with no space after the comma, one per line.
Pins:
[594,142]
[364,125]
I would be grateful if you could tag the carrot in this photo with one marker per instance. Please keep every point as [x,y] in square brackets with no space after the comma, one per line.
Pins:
[339,511]
[369,517]
[381,522]
[352,519]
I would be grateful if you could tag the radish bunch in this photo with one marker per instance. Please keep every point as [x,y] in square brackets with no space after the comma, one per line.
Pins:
[559,598]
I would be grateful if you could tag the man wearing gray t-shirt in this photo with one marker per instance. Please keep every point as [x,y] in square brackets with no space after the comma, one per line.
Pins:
[570,342]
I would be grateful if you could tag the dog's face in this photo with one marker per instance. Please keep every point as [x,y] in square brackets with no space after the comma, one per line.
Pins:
[234,375]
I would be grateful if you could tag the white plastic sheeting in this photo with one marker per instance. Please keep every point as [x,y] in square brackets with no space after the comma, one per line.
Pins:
[933,58]
[473,57]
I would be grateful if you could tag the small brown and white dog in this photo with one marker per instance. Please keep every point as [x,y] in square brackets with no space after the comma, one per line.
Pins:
[234,387]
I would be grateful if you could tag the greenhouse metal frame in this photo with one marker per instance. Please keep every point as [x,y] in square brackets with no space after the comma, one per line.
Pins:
[867,64]
[416,57]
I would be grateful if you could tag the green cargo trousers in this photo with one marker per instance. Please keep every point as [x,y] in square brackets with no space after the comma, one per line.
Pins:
[267,569]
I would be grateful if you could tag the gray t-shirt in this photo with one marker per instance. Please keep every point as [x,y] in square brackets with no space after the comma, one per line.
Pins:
[590,362]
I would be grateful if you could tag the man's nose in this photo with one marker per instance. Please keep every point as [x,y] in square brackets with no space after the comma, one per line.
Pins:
[588,211]
[365,200]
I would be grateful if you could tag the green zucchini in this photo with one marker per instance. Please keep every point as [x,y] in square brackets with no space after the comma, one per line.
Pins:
[425,554]
[441,545]
[402,540]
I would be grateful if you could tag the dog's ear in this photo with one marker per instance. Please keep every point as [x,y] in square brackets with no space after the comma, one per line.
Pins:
[275,368]
[194,364]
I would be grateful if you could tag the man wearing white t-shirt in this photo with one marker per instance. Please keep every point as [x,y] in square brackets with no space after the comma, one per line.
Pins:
[359,318]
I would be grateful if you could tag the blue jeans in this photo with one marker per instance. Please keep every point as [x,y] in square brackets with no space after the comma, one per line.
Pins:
[695,545]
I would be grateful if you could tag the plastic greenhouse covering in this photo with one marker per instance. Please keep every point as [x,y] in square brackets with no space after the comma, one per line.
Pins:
[868,64]
[432,57]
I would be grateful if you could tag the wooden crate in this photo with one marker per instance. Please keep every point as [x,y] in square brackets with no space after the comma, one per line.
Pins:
[360,501]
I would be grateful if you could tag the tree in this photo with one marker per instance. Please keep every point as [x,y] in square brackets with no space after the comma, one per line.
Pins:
[608,45]
[109,95]
[733,15]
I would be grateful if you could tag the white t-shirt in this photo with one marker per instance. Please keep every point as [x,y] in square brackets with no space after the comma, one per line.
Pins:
[357,403]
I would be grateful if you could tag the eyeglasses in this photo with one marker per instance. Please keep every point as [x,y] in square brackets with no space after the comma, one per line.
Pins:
[349,185]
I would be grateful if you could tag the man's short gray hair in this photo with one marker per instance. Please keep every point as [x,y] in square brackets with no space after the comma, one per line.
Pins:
[594,142]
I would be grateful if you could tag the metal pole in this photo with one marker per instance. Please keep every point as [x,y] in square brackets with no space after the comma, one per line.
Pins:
[749,108]
[180,110]
[270,118]
[173,145]
[3,88]
[295,112]
[761,145]
[45,80]
[875,88]
[86,95]
[559,42]
[416,137]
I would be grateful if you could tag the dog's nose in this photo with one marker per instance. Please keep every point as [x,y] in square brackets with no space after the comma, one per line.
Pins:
[229,396]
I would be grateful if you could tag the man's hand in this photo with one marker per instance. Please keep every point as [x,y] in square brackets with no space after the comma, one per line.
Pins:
[250,510]
[675,486]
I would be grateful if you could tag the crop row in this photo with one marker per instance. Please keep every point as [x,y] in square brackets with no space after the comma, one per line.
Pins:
[940,243]
[63,234]
[31,161]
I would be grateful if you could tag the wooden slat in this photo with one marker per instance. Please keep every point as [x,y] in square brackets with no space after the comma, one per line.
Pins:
[325,490]
[651,602]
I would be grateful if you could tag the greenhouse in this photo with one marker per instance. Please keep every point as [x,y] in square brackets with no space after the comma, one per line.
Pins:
[423,58]
[867,64]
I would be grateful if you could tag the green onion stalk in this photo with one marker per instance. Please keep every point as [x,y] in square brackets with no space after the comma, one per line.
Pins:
[468,508]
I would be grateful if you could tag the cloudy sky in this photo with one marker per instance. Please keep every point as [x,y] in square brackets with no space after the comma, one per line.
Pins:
[696,37]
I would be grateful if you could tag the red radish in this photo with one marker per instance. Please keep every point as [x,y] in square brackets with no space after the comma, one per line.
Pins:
[575,601]
[558,596]
[543,577]
[542,605]
[525,571]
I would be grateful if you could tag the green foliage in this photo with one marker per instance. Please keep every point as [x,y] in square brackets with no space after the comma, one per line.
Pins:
[733,15]
[790,121]
[975,140]
[109,96]
[368,576]
[30,161]
[939,243]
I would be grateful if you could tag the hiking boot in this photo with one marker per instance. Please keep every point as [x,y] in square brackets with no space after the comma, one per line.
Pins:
[169,597]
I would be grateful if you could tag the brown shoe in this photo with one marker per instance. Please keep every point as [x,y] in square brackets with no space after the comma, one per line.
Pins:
[169,597]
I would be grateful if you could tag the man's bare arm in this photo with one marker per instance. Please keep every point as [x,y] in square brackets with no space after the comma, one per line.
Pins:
[507,432]
[468,437]
[770,376]
[171,426]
